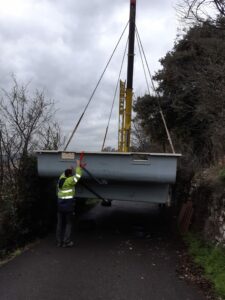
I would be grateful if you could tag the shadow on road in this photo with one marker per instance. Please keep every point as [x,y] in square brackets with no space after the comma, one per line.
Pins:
[139,220]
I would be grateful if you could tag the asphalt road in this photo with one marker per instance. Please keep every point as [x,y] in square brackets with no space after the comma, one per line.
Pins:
[128,251]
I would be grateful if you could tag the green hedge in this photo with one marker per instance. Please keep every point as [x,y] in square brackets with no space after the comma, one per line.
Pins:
[28,212]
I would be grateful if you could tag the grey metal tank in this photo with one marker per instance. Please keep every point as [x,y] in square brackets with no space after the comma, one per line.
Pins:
[116,176]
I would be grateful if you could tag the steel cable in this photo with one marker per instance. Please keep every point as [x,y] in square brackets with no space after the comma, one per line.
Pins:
[92,95]
[110,115]
[157,93]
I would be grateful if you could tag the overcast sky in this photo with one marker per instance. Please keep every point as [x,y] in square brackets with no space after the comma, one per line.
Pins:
[62,47]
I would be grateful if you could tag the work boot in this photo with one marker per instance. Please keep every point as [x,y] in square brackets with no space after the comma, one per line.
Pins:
[68,244]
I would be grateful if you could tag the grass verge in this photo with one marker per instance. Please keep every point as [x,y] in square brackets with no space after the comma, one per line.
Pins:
[211,258]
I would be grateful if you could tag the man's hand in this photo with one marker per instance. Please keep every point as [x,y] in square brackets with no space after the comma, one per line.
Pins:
[78,163]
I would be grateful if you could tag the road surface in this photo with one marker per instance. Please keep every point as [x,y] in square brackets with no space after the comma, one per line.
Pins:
[125,252]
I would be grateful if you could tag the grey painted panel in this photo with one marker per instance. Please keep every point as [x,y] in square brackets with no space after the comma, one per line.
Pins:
[114,166]
[127,176]
[153,193]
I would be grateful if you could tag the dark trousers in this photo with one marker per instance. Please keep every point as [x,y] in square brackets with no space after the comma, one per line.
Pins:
[64,227]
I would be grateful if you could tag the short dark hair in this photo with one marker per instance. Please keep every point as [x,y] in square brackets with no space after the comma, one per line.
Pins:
[68,172]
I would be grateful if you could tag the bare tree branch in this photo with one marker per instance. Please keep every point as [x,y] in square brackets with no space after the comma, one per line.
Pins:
[199,11]
[27,123]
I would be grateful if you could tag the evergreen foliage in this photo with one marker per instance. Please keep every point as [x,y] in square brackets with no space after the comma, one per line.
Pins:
[192,95]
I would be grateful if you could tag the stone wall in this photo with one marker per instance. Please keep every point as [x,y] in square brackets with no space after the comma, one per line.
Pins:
[215,223]
[208,196]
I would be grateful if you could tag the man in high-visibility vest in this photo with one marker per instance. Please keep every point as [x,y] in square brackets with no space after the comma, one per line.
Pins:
[66,202]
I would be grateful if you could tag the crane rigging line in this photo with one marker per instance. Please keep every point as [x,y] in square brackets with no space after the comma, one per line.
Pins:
[143,66]
[110,115]
[92,95]
[150,75]
[157,93]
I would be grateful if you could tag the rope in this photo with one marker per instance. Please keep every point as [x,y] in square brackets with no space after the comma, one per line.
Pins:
[76,126]
[110,115]
[157,93]
[139,48]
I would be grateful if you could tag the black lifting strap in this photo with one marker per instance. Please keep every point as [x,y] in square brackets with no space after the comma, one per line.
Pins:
[105,202]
